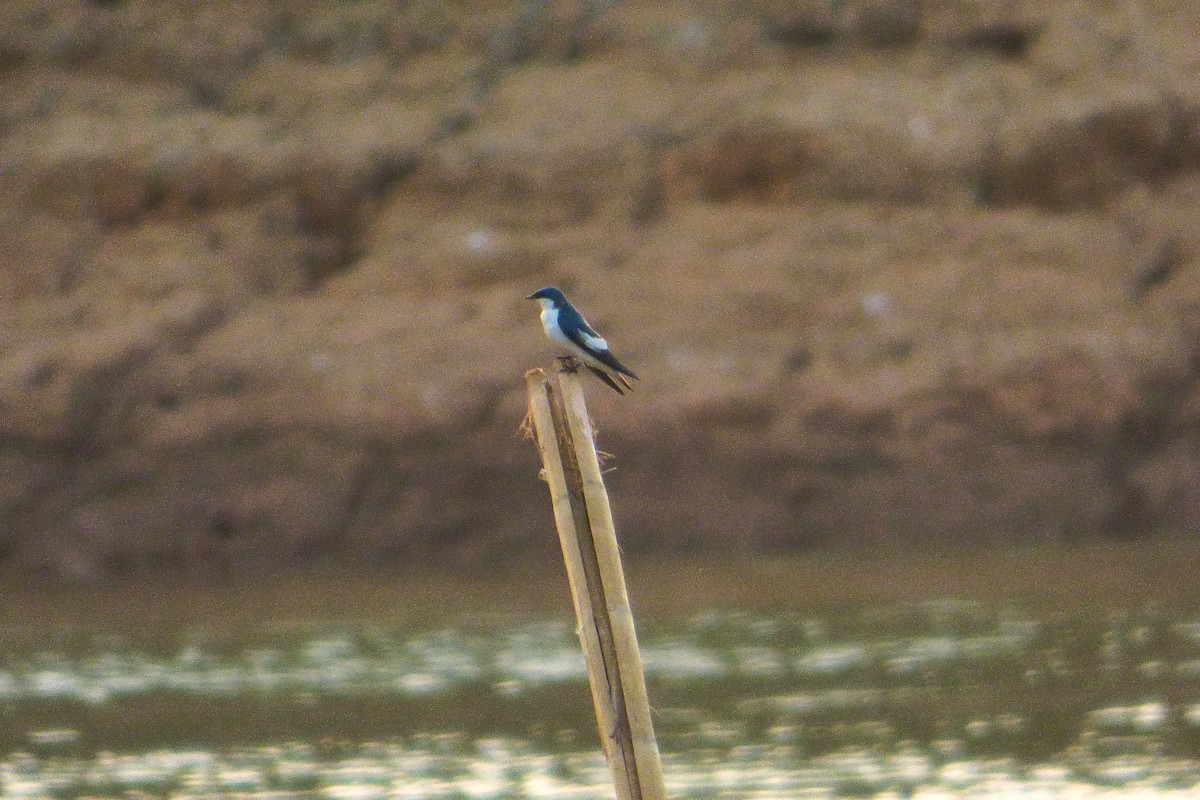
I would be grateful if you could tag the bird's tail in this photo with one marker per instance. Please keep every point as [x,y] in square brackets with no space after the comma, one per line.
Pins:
[604,376]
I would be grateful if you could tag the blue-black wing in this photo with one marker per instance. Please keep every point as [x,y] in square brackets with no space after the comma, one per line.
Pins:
[578,331]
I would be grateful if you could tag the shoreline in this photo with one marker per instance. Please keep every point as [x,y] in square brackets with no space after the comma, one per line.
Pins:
[1072,578]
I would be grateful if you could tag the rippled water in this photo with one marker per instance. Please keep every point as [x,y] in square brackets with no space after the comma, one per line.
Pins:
[930,698]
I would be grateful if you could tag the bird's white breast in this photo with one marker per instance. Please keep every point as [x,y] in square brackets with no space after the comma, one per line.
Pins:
[549,317]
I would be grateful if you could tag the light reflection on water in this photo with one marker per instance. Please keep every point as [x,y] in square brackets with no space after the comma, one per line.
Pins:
[932,700]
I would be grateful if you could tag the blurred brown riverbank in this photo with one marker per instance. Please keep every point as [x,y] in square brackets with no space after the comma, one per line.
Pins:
[894,274]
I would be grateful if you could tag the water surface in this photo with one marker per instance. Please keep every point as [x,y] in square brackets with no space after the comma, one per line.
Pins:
[1051,672]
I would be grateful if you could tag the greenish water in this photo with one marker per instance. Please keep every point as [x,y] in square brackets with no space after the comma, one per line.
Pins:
[337,685]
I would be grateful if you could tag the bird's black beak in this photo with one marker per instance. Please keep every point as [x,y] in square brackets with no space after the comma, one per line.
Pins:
[531,296]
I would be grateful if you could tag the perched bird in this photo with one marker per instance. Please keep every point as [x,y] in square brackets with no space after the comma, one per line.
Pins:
[567,328]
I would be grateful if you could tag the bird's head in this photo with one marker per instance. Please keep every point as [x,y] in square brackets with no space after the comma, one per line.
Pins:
[549,296]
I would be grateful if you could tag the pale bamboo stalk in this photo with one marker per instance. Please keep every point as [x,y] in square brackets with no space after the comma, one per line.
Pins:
[570,516]
[615,594]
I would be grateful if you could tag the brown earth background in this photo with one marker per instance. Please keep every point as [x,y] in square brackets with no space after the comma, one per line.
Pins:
[894,272]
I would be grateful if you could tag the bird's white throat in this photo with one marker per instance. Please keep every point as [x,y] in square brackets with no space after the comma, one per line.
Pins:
[549,313]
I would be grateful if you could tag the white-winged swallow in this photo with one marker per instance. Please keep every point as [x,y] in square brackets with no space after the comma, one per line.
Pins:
[567,328]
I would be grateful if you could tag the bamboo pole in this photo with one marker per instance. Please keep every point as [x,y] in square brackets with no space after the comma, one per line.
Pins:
[603,616]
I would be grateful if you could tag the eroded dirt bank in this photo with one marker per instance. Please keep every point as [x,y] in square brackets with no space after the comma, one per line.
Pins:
[892,272]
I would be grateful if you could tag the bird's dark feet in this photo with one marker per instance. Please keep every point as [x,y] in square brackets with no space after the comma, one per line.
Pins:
[567,364]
